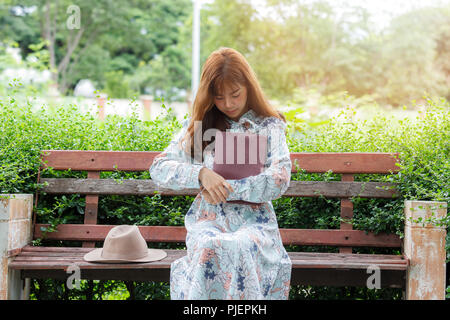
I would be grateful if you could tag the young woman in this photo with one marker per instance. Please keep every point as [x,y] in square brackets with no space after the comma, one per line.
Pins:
[234,251]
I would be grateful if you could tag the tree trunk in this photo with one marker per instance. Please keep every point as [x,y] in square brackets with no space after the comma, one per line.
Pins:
[49,36]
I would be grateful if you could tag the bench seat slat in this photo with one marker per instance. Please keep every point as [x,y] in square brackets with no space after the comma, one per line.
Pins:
[47,258]
[31,251]
[296,264]
[38,259]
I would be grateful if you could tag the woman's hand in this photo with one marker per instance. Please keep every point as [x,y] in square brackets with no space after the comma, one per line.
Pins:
[208,197]
[216,187]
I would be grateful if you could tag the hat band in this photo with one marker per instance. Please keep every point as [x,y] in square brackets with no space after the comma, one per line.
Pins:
[121,256]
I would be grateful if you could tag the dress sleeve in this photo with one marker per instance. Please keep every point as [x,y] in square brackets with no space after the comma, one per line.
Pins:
[274,180]
[173,168]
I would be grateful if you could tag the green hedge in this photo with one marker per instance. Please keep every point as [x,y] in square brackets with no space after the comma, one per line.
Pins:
[423,145]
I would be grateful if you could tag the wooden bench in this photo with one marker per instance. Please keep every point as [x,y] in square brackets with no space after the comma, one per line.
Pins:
[342,268]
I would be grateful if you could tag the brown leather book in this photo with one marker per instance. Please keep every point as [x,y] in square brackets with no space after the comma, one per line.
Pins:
[239,155]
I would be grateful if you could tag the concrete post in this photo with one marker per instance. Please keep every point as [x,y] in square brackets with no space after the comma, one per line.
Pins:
[189,103]
[313,110]
[15,232]
[424,245]
[101,99]
[146,103]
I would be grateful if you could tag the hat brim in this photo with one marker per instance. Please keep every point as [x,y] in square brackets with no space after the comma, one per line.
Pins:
[152,255]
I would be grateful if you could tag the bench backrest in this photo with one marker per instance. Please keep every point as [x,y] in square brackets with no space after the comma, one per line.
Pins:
[346,164]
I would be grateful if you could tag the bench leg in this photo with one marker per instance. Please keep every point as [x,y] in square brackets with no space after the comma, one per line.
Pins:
[424,245]
[15,232]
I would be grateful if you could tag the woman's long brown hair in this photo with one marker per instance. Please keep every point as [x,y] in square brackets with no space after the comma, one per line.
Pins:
[224,66]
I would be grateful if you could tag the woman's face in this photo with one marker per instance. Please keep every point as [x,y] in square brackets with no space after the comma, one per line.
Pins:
[232,101]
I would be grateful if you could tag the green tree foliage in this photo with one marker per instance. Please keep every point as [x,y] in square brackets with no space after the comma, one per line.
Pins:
[311,45]
[113,36]
[319,45]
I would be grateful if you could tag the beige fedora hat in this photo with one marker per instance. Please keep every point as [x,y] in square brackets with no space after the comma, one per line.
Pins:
[124,243]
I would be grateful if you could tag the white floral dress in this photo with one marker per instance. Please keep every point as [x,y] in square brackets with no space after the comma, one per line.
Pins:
[234,251]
